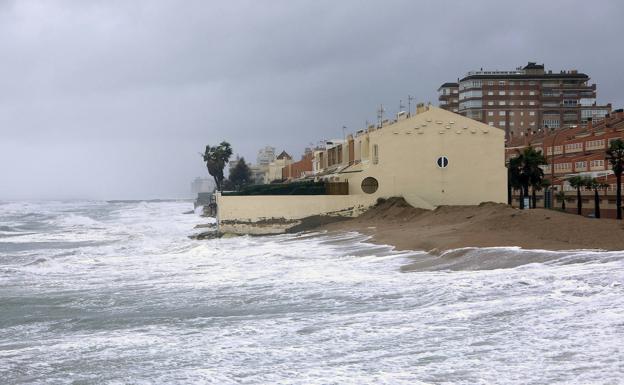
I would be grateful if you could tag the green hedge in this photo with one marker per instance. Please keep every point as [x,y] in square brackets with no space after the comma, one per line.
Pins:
[295,188]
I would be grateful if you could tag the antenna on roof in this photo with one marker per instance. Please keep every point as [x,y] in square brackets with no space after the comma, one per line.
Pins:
[409,104]
[380,113]
[401,106]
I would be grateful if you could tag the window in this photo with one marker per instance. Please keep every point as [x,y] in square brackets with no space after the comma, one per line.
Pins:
[511,113]
[501,93]
[501,83]
[490,93]
[375,154]
[532,93]
[490,113]
[512,124]
[511,103]
[490,103]
[511,83]
[501,103]
[596,163]
[531,103]
[512,93]
[442,162]
[580,165]
[491,124]
[501,113]
[532,113]
[531,83]
[502,123]
[369,185]
[551,123]
[490,83]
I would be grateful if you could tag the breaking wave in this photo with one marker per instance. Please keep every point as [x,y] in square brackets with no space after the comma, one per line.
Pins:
[116,292]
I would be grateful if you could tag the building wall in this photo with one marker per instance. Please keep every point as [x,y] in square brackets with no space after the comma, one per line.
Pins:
[272,214]
[402,158]
[298,169]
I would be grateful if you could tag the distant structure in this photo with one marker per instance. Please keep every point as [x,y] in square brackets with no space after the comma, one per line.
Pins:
[202,185]
[266,155]
[275,168]
[449,97]
[524,100]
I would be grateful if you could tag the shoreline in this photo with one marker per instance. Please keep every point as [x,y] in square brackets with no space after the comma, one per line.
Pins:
[396,223]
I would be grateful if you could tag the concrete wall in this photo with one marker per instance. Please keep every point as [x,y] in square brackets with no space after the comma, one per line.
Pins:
[272,214]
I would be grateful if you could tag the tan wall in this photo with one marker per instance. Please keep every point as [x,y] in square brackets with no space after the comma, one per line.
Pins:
[268,214]
[409,149]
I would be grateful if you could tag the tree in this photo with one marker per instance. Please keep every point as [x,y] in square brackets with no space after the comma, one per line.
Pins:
[577,182]
[216,158]
[595,185]
[240,175]
[513,178]
[561,197]
[615,156]
[527,171]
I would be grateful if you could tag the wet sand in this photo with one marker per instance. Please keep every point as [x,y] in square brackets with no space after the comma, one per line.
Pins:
[396,223]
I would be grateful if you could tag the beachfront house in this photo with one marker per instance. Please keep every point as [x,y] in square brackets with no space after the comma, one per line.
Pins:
[431,158]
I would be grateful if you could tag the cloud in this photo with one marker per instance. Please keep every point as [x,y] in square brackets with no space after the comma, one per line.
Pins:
[113,99]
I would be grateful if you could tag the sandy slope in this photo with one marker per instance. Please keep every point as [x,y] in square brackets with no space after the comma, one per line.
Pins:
[396,223]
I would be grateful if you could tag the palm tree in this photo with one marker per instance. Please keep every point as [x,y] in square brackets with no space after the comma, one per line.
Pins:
[596,185]
[216,158]
[577,182]
[513,178]
[615,156]
[529,171]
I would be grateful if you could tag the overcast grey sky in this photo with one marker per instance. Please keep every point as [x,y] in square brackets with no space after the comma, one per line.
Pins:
[114,99]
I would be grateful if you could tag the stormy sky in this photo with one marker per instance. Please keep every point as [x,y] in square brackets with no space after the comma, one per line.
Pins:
[115,99]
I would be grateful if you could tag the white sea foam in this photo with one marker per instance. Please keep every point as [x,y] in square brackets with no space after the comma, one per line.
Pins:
[150,305]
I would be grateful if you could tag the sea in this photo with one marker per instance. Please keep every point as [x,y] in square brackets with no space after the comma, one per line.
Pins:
[117,293]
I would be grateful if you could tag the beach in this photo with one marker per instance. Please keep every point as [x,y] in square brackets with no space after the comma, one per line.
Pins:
[394,222]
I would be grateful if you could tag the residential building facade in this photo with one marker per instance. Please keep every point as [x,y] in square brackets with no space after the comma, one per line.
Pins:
[448,97]
[528,99]
[430,159]
[575,151]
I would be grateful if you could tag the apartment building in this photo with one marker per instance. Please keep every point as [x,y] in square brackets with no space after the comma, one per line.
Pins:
[574,151]
[526,99]
[448,97]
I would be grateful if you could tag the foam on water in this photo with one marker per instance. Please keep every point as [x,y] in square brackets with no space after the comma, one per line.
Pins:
[116,293]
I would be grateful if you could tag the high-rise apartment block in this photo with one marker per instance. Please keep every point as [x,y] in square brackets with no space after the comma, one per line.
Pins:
[527,99]
[449,97]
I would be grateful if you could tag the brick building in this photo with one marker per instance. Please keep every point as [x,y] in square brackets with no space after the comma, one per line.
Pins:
[526,99]
[299,169]
[573,151]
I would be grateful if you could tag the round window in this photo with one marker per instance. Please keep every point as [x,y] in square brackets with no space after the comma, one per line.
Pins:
[370,185]
[442,162]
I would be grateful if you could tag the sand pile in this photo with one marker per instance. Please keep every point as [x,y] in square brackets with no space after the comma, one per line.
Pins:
[397,223]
